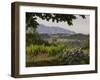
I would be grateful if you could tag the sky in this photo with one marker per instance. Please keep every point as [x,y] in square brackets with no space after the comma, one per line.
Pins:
[80,25]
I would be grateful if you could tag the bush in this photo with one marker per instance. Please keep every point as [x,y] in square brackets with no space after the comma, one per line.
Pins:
[74,56]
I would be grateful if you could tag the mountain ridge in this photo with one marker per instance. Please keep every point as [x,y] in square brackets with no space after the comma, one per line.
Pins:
[53,30]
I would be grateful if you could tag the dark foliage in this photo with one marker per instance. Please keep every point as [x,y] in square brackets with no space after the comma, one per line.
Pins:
[32,17]
[35,38]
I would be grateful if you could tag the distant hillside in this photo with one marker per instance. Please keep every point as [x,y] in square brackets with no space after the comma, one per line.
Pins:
[75,36]
[43,29]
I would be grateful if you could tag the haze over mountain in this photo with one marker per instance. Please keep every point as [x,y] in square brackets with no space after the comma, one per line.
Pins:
[43,29]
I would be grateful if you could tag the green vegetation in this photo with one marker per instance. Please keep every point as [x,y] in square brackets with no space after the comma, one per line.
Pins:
[49,54]
[54,49]
[42,49]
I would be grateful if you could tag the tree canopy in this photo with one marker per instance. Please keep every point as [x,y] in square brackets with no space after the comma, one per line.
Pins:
[32,17]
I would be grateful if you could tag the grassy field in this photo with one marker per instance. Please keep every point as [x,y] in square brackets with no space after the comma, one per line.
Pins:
[57,50]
